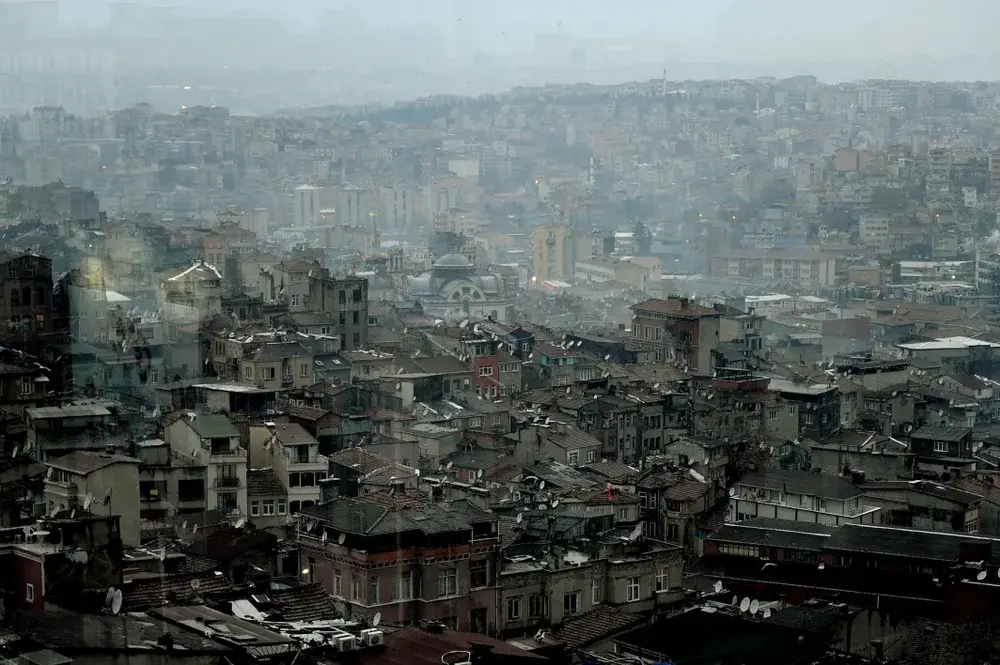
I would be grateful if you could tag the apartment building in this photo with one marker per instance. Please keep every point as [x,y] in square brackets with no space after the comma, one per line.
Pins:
[801,496]
[805,267]
[169,483]
[99,483]
[346,300]
[677,329]
[293,454]
[405,557]
[213,441]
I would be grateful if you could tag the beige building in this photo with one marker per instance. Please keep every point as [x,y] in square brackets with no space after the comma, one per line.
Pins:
[293,455]
[278,365]
[555,251]
[100,483]
[212,440]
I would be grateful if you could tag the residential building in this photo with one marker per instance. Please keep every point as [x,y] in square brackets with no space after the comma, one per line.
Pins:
[405,557]
[557,441]
[293,454]
[678,329]
[345,299]
[81,425]
[267,497]
[801,496]
[97,482]
[818,405]
[213,441]
[26,305]
[169,483]
[670,503]
[803,267]
[307,203]
[278,366]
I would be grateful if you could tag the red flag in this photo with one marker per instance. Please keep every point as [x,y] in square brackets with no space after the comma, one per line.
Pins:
[609,492]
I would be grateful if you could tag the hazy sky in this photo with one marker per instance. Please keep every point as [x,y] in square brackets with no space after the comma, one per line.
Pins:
[699,30]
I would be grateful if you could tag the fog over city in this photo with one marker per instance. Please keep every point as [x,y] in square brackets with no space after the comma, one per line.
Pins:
[256,55]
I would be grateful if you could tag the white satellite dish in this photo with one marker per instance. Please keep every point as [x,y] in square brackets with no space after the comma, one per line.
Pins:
[607,356]
[55,511]
[463,324]
[717,586]
[479,473]
[341,538]
[821,566]
[195,584]
[240,523]
[376,620]
[579,342]
[732,492]
[72,514]
[736,601]
[324,536]
[543,506]
[14,452]
[656,386]
[541,484]
[109,596]
[767,613]
[116,602]
[555,503]
[754,606]
[48,473]
[744,605]
[981,576]
[519,518]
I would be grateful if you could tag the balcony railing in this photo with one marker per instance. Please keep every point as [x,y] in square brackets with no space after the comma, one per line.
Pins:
[227,481]
[227,452]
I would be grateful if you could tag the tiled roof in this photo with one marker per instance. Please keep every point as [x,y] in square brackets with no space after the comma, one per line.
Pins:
[309,413]
[264,482]
[359,459]
[598,624]
[824,485]
[308,602]
[85,462]
[227,543]
[292,434]
[146,593]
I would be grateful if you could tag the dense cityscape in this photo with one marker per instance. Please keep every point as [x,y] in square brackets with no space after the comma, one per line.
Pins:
[661,371]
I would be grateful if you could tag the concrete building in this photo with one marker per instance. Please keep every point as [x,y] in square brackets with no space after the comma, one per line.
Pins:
[346,300]
[213,441]
[677,329]
[169,483]
[293,454]
[800,496]
[306,201]
[805,267]
[97,482]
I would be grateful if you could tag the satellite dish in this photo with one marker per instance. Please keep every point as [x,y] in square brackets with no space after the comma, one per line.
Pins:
[541,484]
[542,506]
[463,324]
[822,566]
[341,538]
[732,492]
[376,620]
[240,523]
[744,605]
[479,473]
[656,386]
[981,576]
[519,518]
[754,606]
[55,511]
[324,536]
[195,584]
[736,601]
[607,356]
[162,554]
[48,473]
[555,503]
[417,472]
[14,452]
[449,465]
[767,613]
[568,390]
[72,514]
[109,596]
[717,586]
[116,602]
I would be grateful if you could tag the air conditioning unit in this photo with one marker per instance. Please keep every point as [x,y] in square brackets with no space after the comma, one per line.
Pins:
[345,643]
[372,637]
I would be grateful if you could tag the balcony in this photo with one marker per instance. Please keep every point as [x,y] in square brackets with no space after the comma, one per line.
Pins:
[227,482]
[308,463]
[227,454]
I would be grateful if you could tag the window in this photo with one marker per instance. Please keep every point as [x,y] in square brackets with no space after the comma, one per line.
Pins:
[574,457]
[373,590]
[447,582]
[404,586]
[357,295]
[673,533]
[571,603]
[514,609]
[632,590]
[538,606]
[733,549]
[282,507]
[338,583]
[254,508]
[808,419]
[355,587]
[29,593]
[355,317]
[478,574]
[267,507]
[591,456]
[267,373]
[304,370]
[486,370]
[622,513]
[673,506]
[940,446]
[27,385]
[357,340]
[662,580]
[595,592]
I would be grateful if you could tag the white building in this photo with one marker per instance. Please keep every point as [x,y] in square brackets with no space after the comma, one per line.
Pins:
[801,496]
[307,205]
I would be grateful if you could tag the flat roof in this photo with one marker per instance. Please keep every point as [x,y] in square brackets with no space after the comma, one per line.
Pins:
[945,343]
